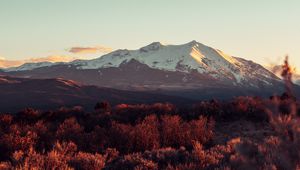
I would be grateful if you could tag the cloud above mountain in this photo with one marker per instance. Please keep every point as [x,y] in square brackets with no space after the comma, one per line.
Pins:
[90,50]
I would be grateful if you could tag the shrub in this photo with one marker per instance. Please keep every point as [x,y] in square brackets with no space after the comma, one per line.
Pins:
[69,130]
[87,161]
[171,131]
[146,135]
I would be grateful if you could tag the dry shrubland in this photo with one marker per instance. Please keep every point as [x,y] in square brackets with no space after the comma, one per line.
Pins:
[244,133]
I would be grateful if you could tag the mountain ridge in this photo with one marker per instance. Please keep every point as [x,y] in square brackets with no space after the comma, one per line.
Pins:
[185,58]
[177,69]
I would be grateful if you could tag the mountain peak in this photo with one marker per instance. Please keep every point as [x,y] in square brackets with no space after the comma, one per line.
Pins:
[152,47]
[184,59]
[193,42]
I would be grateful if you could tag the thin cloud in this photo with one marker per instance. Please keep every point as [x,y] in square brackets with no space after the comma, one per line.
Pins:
[90,50]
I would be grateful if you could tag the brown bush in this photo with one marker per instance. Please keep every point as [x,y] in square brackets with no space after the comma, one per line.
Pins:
[87,161]
[69,130]
[145,135]
[172,131]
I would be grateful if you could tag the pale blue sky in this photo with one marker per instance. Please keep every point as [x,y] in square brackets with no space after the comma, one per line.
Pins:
[259,30]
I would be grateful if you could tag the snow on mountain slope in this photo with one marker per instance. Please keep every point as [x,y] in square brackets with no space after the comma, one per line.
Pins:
[183,58]
[192,57]
[31,66]
[189,57]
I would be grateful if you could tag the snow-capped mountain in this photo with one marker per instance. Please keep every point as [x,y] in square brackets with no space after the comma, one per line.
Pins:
[185,58]
[156,66]
[31,66]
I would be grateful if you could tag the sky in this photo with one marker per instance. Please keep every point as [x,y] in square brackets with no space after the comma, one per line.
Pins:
[36,30]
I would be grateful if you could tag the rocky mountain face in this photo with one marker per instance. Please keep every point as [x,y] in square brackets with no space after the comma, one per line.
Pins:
[157,67]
